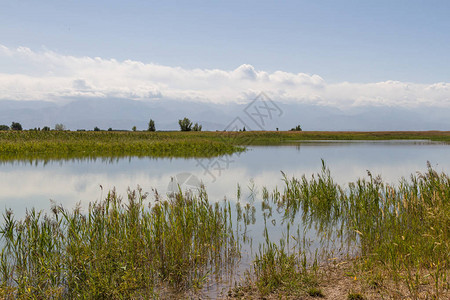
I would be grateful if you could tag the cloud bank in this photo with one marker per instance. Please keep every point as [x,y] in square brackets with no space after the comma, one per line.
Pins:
[50,76]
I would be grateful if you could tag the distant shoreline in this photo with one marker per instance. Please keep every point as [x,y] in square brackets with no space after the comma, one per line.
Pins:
[33,144]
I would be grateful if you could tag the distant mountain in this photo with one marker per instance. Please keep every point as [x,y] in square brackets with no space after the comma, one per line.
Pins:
[124,114]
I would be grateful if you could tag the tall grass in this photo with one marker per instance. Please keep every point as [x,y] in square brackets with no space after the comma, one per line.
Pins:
[401,232]
[404,230]
[117,249]
[277,268]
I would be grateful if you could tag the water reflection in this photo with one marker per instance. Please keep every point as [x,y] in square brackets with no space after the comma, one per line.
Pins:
[32,183]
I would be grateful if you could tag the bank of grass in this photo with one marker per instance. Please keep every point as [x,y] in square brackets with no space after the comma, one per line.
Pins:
[32,144]
[65,145]
[281,137]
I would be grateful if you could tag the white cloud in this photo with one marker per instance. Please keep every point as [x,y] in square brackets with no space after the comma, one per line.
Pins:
[50,76]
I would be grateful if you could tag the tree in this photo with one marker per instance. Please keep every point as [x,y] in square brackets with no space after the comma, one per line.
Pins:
[4,127]
[45,128]
[197,127]
[185,124]
[110,129]
[151,125]
[134,128]
[60,127]
[297,128]
[16,126]
[96,128]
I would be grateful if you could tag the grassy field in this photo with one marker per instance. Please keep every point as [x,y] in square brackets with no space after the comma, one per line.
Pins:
[65,144]
[388,242]
[277,137]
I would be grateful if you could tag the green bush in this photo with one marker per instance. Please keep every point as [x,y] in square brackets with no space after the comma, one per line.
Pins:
[16,126]
[151,125]
[185,124]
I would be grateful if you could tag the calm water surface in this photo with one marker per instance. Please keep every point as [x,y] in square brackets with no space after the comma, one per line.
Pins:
[34,183]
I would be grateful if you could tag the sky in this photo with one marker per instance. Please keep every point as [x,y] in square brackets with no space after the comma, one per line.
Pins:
[330,53]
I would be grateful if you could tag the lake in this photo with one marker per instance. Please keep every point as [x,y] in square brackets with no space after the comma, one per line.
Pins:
[37,183]
[26,184]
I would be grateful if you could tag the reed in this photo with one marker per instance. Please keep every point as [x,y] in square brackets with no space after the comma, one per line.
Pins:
[117,249]
[276,268]
[401,232]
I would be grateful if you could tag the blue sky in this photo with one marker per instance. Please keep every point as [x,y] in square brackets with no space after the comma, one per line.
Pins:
[355,41]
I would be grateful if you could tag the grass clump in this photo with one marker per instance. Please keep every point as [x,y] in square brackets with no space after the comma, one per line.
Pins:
[400,234]
[116,250]
[277,270]
[355,296]
[315,292]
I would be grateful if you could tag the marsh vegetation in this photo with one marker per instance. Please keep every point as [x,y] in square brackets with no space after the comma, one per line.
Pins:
[66,144]
[394,240]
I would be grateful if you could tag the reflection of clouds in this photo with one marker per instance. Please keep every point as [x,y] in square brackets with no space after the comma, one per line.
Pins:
[79,181]
[81,186]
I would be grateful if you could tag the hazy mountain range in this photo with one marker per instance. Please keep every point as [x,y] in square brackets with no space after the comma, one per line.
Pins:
[125,113]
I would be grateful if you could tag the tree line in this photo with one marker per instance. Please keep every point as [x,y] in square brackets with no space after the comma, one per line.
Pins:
[185,125]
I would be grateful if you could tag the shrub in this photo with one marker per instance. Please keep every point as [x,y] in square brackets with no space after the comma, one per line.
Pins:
[151,125]
[16,126]
[185,124]
[197,127]
[60,127]
[297,128]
